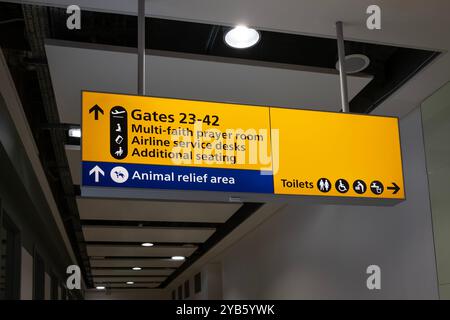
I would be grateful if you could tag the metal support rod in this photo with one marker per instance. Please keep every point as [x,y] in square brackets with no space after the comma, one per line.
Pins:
[342,71]
[141,47]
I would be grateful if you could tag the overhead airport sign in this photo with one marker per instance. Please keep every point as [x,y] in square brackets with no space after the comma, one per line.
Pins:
[161,143]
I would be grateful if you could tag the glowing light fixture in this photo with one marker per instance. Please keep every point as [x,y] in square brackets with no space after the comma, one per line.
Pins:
[147,244]
[75,132]
[178,258]
[242,37]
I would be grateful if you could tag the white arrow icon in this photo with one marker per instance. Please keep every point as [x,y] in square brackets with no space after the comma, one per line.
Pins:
[97,171]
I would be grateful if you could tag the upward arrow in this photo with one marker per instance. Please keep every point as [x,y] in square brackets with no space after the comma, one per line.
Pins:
[96,109]
[97,171]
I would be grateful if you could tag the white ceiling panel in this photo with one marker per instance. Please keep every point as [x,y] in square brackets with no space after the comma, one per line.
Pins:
[116,272]
[296,16]
[131,278]
[135,251]
[113,284]
[172,76]
[145,234]
[120,263]
[141,210]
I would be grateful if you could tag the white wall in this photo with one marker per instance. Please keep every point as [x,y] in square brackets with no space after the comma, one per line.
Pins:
[211,275]
[436,126]
[59,292]
[322,252]
[150,294]
[213,283]
[48,287]
[26,276]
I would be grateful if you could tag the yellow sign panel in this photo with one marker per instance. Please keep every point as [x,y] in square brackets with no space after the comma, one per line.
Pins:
[149,142]
[166,131]
[337,154]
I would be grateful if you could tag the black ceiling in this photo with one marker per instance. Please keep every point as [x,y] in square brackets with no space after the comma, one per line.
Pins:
[391,66]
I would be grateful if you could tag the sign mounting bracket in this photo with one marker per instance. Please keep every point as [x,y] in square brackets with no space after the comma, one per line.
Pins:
[141,47]
[342,71]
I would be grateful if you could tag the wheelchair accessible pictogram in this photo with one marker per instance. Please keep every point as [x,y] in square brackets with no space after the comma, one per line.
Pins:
[342,185]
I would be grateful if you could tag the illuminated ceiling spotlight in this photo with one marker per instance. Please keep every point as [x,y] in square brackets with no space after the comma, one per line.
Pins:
[147,244]
[178,258]
[242,37]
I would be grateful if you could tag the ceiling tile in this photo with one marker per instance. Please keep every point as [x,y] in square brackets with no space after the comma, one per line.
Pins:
[95,263]
[146,234]
[126,251]
[141,210]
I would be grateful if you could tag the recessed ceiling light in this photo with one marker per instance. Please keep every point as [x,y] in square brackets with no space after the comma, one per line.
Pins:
[241,37]
[137,268]
[75,132]
[130,282]
[147,244]
[355,63]
[100,287]
[178,258]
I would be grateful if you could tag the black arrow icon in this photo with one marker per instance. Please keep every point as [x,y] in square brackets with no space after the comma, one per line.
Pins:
[394,187]
[96,109]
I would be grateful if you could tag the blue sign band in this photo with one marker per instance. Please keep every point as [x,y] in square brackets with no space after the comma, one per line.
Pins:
[123,175]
